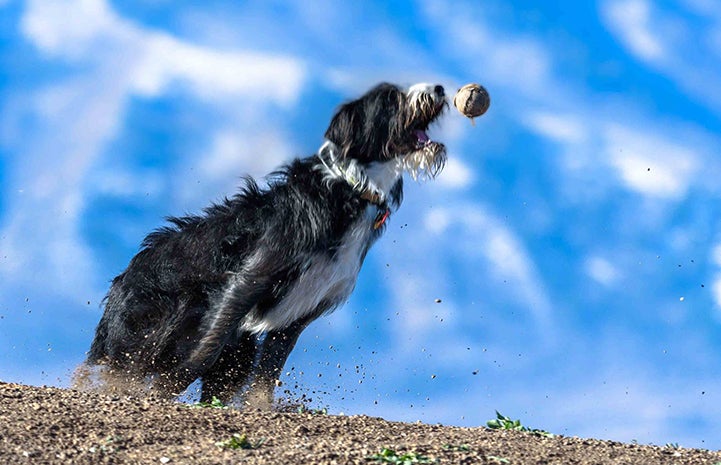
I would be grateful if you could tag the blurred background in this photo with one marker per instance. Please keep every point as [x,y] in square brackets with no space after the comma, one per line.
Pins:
[565,269]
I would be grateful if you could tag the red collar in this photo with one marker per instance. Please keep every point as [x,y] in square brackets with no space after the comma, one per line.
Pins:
[383,211]
[381,218]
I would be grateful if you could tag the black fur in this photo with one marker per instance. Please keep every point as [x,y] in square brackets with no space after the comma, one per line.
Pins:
[177,313]
[379,126]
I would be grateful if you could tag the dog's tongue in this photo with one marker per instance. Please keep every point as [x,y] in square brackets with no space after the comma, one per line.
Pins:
[422,136]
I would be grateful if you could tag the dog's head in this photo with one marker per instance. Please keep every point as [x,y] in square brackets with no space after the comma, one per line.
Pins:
[390,123]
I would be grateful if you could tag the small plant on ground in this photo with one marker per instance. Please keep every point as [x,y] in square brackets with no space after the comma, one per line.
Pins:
[239,441]
[504,422]
[390,456]
[214,403]
[496,459]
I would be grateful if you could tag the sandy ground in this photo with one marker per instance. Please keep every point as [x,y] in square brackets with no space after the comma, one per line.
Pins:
[51,425]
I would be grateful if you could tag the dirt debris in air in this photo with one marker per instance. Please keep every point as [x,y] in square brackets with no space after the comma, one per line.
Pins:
[52,425]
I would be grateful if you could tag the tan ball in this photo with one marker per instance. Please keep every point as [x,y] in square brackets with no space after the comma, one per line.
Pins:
[472,100]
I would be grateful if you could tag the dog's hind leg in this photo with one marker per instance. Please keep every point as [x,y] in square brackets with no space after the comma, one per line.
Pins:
[241,295]
[274,351]
[231,371]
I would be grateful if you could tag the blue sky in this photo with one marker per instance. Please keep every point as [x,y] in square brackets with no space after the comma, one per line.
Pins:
[574,239]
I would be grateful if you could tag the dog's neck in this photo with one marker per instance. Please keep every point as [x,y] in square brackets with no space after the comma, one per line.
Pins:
[373,181]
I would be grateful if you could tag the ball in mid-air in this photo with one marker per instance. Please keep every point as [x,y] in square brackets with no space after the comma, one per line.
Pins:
[472,100]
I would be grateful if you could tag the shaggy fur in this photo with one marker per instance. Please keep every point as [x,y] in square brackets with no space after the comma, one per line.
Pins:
[223,296]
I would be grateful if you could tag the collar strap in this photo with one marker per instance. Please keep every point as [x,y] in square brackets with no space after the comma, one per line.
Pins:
[381,217]
[372,197]
[350,172]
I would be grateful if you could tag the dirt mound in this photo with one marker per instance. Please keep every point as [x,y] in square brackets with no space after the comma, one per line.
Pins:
[51,425]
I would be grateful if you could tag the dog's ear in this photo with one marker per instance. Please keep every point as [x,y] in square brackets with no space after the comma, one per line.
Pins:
[345,127]
[368,129]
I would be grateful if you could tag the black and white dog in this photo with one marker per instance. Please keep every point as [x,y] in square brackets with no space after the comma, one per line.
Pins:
[223,296]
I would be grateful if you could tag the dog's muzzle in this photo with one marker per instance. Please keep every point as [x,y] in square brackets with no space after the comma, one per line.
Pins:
[426,103]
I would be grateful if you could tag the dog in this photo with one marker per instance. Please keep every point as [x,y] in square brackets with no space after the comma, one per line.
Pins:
[223,296]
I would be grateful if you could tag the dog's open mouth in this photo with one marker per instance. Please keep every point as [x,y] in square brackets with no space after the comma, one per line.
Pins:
[424,157]
[421,138]
[428,158]
[430,112]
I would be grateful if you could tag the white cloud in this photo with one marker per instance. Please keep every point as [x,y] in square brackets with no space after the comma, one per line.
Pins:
[507,255]
[420,314]
[478,234]
[565,129]
[125,184]
[601,270]
[42,231]
[451,246]
[456,174]
[437,221]
[630,21]
[553,110]
[659,160]
[152,60]
[597,136]
[70,28]
[489,52]
[257,151]
[74,120]
[672,41]
[650,164]
[213,74]
[502,55]
[715,259]
[716,293]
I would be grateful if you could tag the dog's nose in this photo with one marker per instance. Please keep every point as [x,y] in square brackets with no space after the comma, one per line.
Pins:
[439,90]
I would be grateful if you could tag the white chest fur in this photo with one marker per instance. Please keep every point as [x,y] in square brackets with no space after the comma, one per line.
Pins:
[329,279]
[325,278]
[382,176]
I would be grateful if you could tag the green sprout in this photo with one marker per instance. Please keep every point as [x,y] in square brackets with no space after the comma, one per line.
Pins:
[390,456]
[496,459]
[239,441]
[505,423]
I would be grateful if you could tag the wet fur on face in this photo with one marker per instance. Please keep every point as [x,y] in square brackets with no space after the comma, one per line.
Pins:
[389,123]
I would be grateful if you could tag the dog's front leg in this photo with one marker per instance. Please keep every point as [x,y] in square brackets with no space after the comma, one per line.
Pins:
[274,351]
